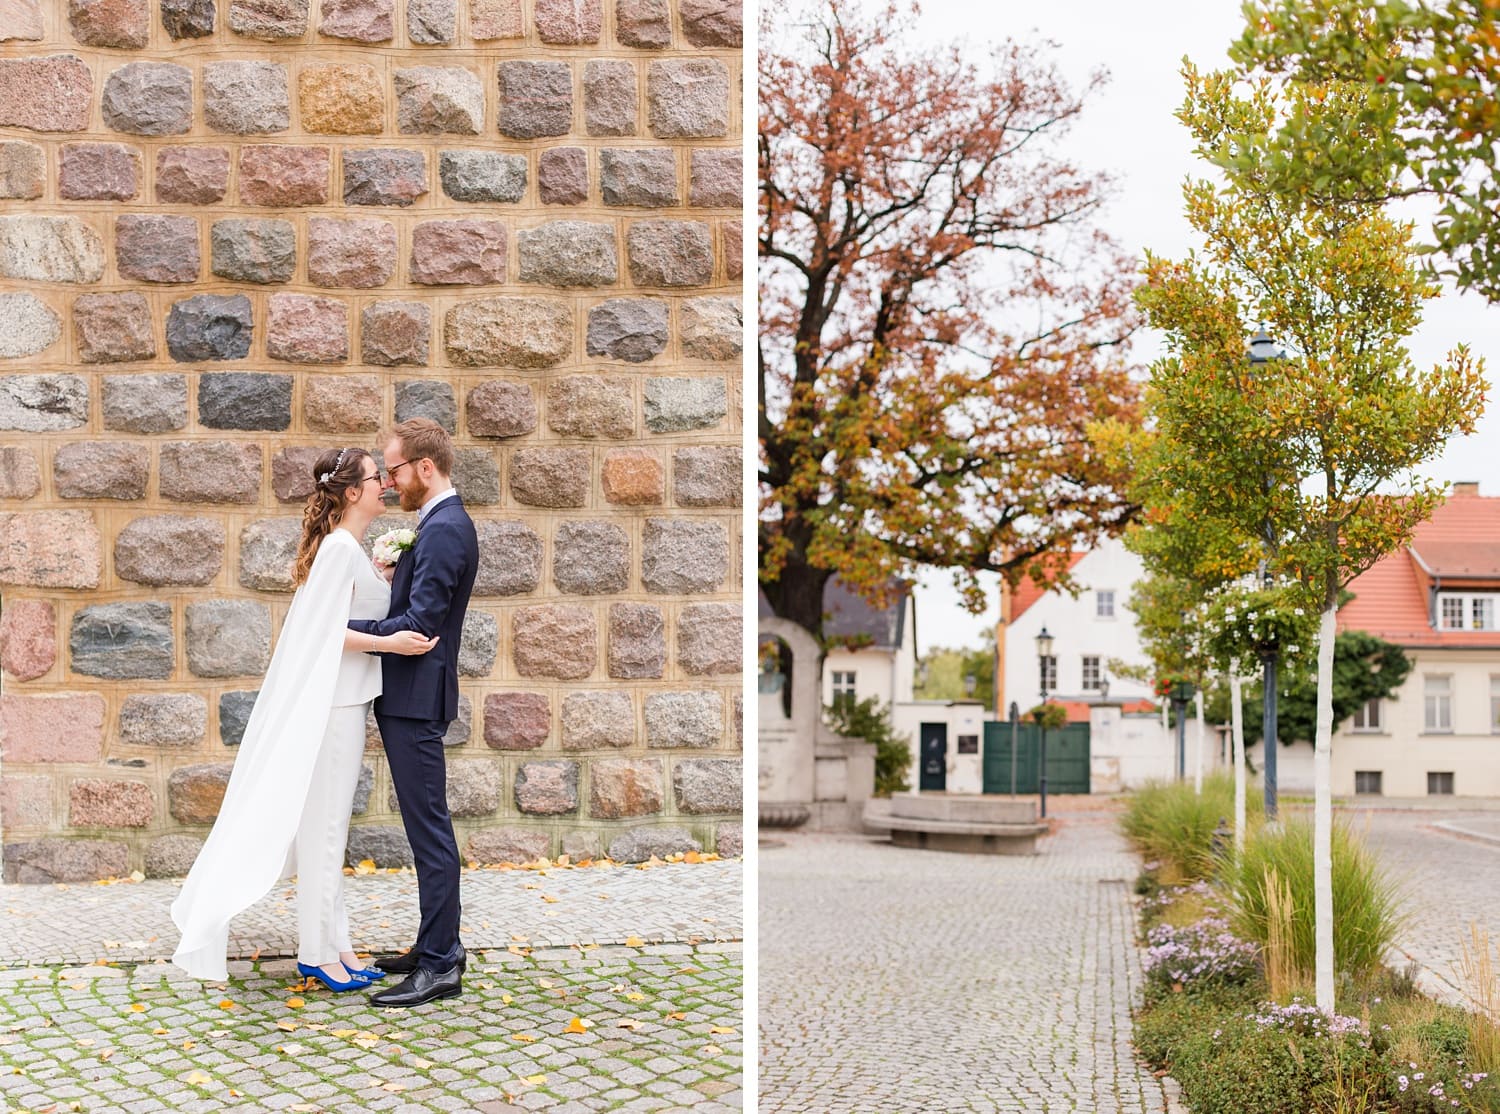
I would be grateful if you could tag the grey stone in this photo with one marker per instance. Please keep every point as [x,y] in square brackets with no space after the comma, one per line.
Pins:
[501,409]
[234,715]
[729,841]
[547,788]
[590,406]
[65,860]
[228,638]
[683,556]
[684,719]
[50,249]
[123,641]
[643,23]
[510,558]
[708,785]
[383,844]
[268,550]
[630,329]
[597,720]
[100,470]
[384,176]
[550,477]
[145,403]
[717,177]
[708,476]
[476,477]
[439,99]
[171,856]
[363,787]
[688,97]
[461,728]
[209,327]
[610,102]
[582,846]
[427,398]
[149,98]
[482,175]
[209,471]
[536,99]
[187,19]
[508,845]
[169,549]
[431,22]
[670,253]
[43,403]
[674,404]
[246,97]
[640,844]
[569,253]
[253,250]
[712,328]
[479,645]
[708,638]
[591,558]
[713,22]
[392,334]
[163,719]
[27,326]
[645,177]
[157,247]
[473,787]
[244,400]
[637,641]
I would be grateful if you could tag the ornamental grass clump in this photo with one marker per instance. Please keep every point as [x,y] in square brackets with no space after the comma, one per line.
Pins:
[1170,823]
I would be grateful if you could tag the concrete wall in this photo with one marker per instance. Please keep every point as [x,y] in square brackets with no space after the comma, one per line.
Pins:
[965,771]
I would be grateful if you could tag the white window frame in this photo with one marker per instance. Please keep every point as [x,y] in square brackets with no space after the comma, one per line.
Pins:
[843,685]
[1048,668]
[1104,604]
[1437,706]
[1473,611]
[1095,683]
[1363,723]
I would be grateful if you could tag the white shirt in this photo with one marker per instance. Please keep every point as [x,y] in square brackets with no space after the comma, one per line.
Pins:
[432,502]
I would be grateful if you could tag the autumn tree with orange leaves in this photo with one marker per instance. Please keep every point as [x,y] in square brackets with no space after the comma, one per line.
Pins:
[940,316]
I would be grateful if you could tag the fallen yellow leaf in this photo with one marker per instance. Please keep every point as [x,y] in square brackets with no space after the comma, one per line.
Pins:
[136,1007]
[287,1026]
[712,1050]
[720,1029]
[506,999]
[226,1004]
[534,1080]
[676,1016]
[578,1025]
[634,942]
[628,1023]
[196,1078]
[295,1003]
[545,984]
[636,996]
[524,1038]
[393,1087]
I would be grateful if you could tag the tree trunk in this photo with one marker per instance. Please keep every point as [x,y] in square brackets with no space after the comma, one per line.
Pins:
[1198,738]
[797,594]
[1323,814]
[1237,726]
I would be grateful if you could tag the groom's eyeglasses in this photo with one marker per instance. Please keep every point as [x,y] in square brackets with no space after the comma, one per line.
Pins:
[391,468]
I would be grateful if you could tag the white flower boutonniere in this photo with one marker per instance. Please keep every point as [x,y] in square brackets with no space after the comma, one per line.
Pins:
[389,546]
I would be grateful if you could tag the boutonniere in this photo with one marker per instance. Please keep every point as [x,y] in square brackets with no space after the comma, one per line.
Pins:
[389,546]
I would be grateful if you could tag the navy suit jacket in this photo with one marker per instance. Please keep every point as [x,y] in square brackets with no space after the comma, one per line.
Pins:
[429,593]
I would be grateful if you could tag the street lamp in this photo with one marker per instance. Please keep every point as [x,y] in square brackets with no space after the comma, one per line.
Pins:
[1263,350]
[1044,654]
[971,682]
[1182,692]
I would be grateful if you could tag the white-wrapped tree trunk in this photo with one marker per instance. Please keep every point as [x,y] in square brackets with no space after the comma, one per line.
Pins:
[1198,757]
[1237,727]
[1323,815]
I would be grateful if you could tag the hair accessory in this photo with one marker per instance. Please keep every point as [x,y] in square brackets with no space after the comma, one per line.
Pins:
[337,464]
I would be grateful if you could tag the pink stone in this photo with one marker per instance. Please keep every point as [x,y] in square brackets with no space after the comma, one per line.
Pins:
[356,253]
[98,172]
[54,727]
[467,252]
[51,94]
[125,24]
[496,19]
[50,549]
[25,801]
[101,803]
[364,21]
[305,329]
[21,20]
[569,22]
[28,638]
[278,176]
[342,403]
[191,175]
[516,720]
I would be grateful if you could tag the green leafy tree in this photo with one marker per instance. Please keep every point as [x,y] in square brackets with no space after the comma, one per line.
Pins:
[871,721]
[941,674]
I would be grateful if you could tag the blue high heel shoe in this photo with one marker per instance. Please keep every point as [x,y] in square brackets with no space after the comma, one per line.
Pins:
[369,974]
[355,983]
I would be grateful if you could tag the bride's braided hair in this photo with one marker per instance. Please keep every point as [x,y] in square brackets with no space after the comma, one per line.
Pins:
[334,473]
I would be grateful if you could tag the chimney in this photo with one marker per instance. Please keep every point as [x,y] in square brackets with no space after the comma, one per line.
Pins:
[1466,487]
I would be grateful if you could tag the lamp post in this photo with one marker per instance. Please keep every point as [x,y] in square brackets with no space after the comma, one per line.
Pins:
[971,683]
[1182,692]
[1263,350]
[1044,654]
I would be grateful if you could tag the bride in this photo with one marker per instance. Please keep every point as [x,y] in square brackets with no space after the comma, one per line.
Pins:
[289,798]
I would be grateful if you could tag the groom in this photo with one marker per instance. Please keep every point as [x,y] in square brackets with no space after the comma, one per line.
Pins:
[429,593]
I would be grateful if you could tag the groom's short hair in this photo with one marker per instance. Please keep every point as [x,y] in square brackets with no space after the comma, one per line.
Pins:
[423,437]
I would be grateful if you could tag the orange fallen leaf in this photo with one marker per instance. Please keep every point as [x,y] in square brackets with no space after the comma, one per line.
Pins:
[720,1029]
[524,1038]
[136,1007]
[226,1004]
[676,1017]
[634,942]
[578,1025]
[295,1003]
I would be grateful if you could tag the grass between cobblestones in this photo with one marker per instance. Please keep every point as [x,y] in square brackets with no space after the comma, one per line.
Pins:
[588,1028]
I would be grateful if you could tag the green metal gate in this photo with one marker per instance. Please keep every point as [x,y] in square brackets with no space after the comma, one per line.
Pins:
[1067,758]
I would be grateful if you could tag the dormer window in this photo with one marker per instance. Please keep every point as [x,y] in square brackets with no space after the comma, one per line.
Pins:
[1466,611]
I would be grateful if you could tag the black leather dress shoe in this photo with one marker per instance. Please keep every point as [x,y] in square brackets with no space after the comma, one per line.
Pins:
[406,963]
[420,987]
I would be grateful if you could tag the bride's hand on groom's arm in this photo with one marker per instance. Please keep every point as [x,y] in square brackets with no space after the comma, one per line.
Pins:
[408,642]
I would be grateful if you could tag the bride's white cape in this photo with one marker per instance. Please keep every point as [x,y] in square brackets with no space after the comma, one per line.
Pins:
[250,845]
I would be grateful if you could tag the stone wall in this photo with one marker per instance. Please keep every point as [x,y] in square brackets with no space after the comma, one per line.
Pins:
[233,234]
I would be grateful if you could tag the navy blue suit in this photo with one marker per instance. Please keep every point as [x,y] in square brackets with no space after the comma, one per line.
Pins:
[419,698]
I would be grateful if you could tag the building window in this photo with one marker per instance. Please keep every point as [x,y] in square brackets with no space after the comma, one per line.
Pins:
[1093,673]
[1440,783]
[1453,612]
[1457,611]
[1367,782]
[1437,703]
[1049,673]
[843,687]
[1104,604]
[1481,613]
[1368,717]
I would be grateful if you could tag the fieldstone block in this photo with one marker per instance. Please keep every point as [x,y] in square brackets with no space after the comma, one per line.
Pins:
[591,558]
[341,99]
[676,404]
[641,844]
[342,403]
[731,233]
[461,728]
[643,23]
[384,176]
[46,94]
[156,247]
[547,788]
[509,331]
[50,549]
[268,550]
[292,472]
[188,19]
[582,846]
[122,641]
[516,720]
[98,172]
[113,328]
[438,100]
[209,472]
[383,844]
[100,470]
[670,253]
[191,175]
[169,549]
[569,253]
[708,785]
[683,556]
[476,477]
[25,802]
[501,409]
[21,21]
[392,334]
[466,252]
[228,638]
[717,177]
[49,249]
[712,328]
[684,719]
[632,478]
[610,104]
[536,99]
[590,406]
[427,398]
[41,403]
[473,787]
[729,841]
[550,477]
[646,177]
[482,175]
[708,476]
[569,22]
[432,22]
[244,400]
[562,176]
[260,251]
[20,476]
[708,638]
[28,638]
[620,787]
[630,329]
[194,793]
[52,727]
[145,403]
[163,719]
[268,19]
[362,21]
[234,716]
[510,558]
[687,97]
[595,720]
[507,845]
[27,326]
[354,253]
[280,177]
[307,329]
[23,169]
[478,645]
[554,640]
[148,98]
[209,327]
[495,19]
[171,856]
[713,22]
[65,860]
[246,97]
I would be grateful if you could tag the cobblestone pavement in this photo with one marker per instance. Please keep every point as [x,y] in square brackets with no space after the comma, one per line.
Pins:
[896,981]
[92,1018]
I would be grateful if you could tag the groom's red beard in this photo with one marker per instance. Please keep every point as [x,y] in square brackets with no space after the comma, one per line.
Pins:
[414,495]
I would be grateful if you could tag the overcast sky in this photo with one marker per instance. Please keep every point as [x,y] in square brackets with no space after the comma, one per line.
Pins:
[1128,130]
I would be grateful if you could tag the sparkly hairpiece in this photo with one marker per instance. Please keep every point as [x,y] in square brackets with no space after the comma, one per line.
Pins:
[337,464]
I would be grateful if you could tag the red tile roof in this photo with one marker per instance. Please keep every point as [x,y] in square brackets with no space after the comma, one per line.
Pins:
[1078,711]
[1028,591]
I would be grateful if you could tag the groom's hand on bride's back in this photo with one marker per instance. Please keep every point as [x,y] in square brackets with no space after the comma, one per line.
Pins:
[410,642]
